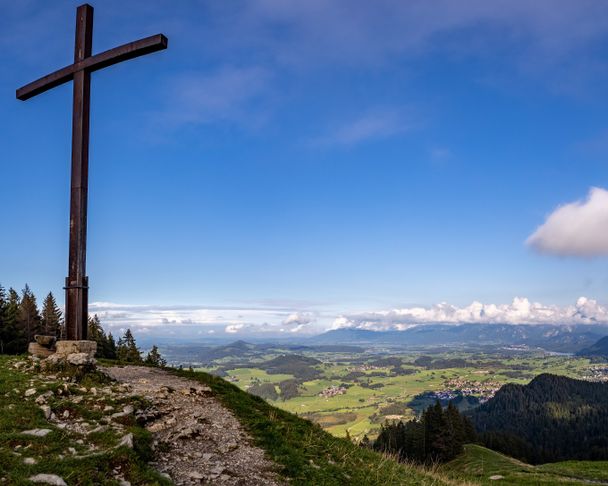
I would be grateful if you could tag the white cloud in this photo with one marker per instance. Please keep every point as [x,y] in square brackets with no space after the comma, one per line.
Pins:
[579,228]
[233,328]
[520,311]
[298,321]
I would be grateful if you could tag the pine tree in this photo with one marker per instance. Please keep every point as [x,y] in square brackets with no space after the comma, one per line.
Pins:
[4,334]
[29,318]
[365,442]
[455,426]
[51,317]
[154,357]
[96,333]
[127,349]
[16,342]
[112,353]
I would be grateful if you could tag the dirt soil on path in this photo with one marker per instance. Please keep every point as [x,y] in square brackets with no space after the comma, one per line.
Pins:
[197,440]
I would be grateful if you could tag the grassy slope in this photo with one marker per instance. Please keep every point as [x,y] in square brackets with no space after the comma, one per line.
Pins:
[306,453]
[17,415]
[478,464]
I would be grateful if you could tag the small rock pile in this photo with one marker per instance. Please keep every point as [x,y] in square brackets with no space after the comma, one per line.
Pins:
[80,354]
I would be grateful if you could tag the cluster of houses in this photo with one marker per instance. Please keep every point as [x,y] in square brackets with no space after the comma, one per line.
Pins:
[483,390]
[364,367]
[332,391]
[597,373]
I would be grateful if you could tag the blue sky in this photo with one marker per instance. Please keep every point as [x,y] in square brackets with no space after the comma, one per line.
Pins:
[285,165]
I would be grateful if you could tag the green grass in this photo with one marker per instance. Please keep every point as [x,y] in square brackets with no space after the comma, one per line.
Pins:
[305,453]
[17,415]
[478,464]
[590,470]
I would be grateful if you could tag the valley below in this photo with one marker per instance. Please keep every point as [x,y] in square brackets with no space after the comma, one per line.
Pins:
[352,391]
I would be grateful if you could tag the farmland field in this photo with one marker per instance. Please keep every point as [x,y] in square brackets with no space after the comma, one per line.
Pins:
[357,392]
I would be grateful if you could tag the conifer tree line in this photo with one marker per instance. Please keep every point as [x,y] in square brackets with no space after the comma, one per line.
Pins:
[125,350]
[21,320]
[438,436]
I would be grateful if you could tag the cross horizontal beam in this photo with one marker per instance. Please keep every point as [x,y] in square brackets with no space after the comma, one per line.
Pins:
[104,59]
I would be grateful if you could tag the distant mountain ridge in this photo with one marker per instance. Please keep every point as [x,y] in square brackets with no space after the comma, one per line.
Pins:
[597,350]
[558,338]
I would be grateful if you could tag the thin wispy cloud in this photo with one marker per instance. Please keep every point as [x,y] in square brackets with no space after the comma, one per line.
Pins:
[550,42]
[355,33]
[375,125]
[230,94]
[577,229]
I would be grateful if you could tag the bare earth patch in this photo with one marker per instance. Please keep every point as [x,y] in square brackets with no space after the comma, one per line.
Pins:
[197,439]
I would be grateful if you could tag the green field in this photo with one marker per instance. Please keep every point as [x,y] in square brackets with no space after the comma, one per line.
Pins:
[359,410]
[479,465]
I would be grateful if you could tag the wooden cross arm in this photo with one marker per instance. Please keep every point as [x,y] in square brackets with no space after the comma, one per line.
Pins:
[125,52]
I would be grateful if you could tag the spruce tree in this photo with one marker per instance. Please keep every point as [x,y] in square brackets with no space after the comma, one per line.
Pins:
[4,334]
[16,342]
[29,317]
[97,334]
[111,347]
[455,426]
[127,349]
[51,317]
[154,357]
[365,442]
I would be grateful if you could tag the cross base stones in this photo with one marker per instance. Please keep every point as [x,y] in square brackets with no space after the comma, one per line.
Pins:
[79,354]
[75,347]
[43,347]
[39,351]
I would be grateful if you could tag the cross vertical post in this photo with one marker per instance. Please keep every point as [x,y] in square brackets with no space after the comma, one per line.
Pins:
[77,282]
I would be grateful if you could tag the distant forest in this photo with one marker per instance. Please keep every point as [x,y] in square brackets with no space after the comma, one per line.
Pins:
[21,320]
[553,418]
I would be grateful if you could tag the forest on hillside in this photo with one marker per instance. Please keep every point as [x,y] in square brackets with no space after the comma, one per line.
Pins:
[553,418]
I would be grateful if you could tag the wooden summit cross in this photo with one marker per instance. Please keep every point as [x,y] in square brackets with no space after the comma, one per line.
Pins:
[77,283]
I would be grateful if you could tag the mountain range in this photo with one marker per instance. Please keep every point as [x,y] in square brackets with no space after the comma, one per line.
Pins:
[557,338]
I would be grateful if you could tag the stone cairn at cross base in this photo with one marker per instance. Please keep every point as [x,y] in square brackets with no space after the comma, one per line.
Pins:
[53,353]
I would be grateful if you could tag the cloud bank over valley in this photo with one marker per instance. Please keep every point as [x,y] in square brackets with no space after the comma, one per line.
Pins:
[201,323]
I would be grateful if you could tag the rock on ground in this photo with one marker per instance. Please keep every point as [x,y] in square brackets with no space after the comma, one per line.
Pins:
[52,479]
[202,441]
[37,432]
